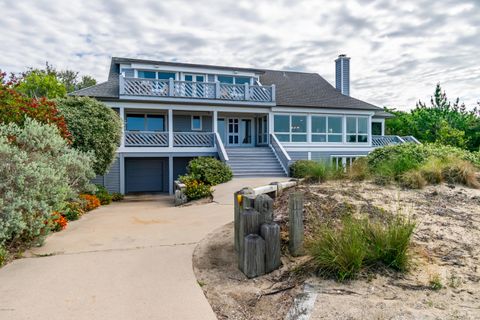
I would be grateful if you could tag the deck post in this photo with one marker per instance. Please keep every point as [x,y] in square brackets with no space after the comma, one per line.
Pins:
[171,87]
[247,91]
[295,224]
[170,128]
[217,89]
[273,93]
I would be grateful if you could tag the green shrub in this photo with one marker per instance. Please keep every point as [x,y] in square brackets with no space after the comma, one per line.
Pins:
[388,243]
[301,168]
[39,173]
[195,188]
[412,179]
[315,171]
[359,170]
[209,170]
[340,251]
[346,249]
[3,255]
[95,128]
[431,170]
[103,195]
[461,172]
[117,196]
[73,211]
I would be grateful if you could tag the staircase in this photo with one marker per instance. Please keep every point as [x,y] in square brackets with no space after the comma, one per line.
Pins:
[254,162]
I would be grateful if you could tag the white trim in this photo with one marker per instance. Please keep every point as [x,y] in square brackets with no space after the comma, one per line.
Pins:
[369,142]
[194,100]
[170,128]
[211,70]
[382,121]
[121,111]
[122,173]
[191,123]
[186,107]
[166,149]
[313,110]
[215,121]
[316,149]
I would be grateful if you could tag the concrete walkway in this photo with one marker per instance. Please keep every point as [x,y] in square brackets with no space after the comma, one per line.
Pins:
[128,260]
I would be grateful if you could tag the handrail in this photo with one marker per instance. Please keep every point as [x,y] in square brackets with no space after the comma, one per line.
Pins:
[131,86]
[280,152]
[222,153]
[192,139]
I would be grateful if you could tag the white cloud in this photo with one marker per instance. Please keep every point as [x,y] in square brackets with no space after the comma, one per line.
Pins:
[399,49]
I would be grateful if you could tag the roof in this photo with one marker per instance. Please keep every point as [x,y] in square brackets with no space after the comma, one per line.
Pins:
[293,89]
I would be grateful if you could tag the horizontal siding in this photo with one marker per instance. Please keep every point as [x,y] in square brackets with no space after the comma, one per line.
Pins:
[319,156]
[297,155]
[183,123]
[111,180]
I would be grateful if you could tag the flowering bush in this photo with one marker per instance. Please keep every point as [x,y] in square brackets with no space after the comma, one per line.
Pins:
[16,108]
[194,188]
[103,195]
[90,202]
[57,222]
[39,172]
[73,211]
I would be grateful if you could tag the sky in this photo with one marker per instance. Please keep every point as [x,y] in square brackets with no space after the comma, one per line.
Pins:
[399,49]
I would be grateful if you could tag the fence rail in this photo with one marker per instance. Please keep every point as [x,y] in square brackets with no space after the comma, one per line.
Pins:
[193,139]
[146,139]
[195,90]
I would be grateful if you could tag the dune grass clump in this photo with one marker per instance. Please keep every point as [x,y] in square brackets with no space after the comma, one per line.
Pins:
[346,249]
[316,171]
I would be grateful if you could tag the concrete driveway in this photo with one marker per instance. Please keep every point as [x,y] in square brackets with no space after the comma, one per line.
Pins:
[129,260]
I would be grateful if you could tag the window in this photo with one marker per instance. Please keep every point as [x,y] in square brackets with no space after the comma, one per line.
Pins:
[377,128]
[225,79]
[357,129]
[196,122]
[144,122]
[326,129]
[290,128]
[155,75]
[242,80]
[233,80]
[146,74]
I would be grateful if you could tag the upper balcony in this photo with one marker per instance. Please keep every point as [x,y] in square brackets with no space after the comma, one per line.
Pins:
[188,91]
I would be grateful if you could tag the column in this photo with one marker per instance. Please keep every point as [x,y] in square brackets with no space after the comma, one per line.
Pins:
[170,128]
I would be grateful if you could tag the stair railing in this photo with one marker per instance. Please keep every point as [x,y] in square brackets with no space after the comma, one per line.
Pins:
[222,153]
[280,152]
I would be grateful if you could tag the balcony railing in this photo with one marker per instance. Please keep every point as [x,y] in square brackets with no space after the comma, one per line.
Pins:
[160,139]
[381,141]
[196,90]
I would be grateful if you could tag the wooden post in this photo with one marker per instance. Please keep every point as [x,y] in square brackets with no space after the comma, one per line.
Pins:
[295,243]
[254,256]
[249,224]
[238,205]
[271,233]
[264,205]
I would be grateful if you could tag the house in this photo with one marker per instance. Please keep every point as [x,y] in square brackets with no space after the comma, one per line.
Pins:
[256,120]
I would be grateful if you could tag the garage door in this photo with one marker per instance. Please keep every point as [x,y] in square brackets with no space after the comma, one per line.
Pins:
[144,174]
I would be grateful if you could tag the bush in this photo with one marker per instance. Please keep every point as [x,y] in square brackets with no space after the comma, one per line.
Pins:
[359,169]
[57,222]
[17,108]
[412,179]
[345,250]
[195,188]
[117,196]
[95,128]
[461,172]
[315,171]
[431,170]
[103,195]
[3,255]
[73,211]
[209,170]
[39,173]
[90,202]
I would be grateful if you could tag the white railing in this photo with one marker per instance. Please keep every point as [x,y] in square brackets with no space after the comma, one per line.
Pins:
[195,90]
[222,153]
[380,141]
[193,139]
[146,139]
[411,139]
[280,152]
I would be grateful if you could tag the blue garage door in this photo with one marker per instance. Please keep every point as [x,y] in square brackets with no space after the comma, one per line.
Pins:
[145,174]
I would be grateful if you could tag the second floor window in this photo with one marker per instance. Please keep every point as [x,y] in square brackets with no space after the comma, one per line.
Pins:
[155,75]
[145,122]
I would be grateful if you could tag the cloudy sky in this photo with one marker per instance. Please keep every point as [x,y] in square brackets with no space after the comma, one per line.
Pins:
[399,49]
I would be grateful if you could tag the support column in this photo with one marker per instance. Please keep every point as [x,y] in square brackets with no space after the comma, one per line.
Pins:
[122,117]
[270,125]
[215,121]
[122,173]
[170,128]
[170,175]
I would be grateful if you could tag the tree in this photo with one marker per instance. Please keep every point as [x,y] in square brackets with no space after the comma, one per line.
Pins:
[16,107]
[51,83]
[95,128]
[442,121]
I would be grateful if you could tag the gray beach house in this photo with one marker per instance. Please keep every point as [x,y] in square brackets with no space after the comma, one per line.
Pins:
[256,120]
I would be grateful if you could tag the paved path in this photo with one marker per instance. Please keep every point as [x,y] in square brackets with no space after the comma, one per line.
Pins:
[129,260]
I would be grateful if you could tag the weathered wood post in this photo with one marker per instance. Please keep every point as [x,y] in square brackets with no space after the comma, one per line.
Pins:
[296,232]
[254,256]
[264,205]
[238,205]
[270,232]
[249,224]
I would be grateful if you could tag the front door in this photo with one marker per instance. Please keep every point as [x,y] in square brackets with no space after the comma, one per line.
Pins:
[240,132]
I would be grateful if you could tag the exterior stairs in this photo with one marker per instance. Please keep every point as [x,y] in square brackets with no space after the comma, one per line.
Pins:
[254,162]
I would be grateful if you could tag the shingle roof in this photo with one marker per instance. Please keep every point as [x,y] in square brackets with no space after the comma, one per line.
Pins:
[293,89]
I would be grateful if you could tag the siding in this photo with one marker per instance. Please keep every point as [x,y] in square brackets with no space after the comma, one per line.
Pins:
[323,155]
[111,180]
[183,123]
[180,166]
